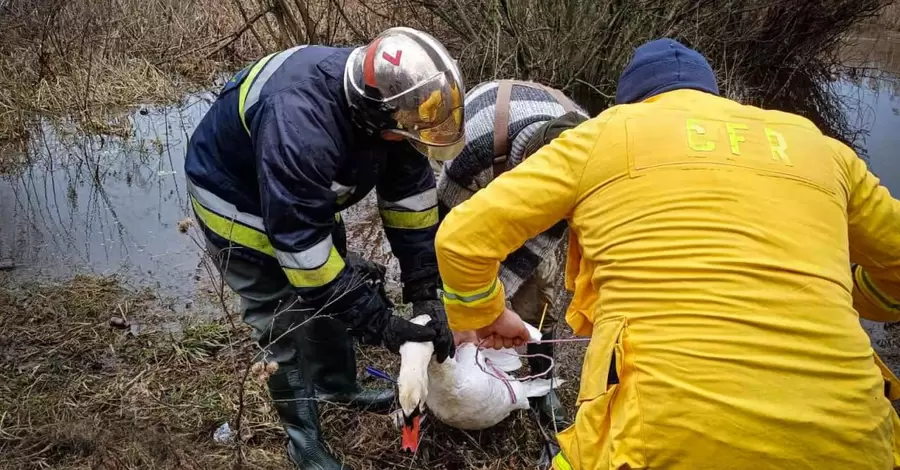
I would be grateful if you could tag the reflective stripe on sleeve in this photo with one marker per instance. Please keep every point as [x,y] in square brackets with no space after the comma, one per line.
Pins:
[560,462]
[868,287]
[474,297]
[301,270]
[410,220]
[414,212]
[415,203]
[310,258]
[343,192]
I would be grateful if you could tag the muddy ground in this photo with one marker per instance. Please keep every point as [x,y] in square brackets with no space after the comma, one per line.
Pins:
[96,375]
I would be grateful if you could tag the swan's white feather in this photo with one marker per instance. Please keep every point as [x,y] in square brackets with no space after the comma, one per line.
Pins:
[460,392]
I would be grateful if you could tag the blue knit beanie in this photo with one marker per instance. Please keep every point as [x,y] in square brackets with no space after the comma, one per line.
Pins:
[664,65]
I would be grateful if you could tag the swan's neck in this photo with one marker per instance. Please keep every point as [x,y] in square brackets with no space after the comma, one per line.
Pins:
[412,382]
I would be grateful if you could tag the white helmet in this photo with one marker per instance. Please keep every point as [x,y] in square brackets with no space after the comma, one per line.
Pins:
[406,83]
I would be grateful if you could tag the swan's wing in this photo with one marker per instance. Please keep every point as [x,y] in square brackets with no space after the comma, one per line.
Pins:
[466,397]
[540,387]
[505,359]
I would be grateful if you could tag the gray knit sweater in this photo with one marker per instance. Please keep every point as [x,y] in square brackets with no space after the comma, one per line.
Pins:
[472,169]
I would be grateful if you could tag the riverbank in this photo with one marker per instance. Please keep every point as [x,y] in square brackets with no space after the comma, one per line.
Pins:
[96,375]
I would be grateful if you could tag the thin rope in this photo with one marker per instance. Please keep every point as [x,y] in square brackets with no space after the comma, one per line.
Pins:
[561,340]
[495,372]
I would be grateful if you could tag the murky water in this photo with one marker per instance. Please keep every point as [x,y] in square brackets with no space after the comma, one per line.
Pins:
[111,205]
[105,205]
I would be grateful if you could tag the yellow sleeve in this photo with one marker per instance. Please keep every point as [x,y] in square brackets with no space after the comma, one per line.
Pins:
[874,230]
[518,205]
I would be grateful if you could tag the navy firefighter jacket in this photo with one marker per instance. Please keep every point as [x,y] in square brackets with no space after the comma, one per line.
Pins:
[278,156]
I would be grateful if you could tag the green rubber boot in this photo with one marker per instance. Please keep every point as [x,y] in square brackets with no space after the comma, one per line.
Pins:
[328,350]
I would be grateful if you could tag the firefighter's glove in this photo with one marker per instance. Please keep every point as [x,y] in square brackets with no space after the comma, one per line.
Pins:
[444,346]
[400,331]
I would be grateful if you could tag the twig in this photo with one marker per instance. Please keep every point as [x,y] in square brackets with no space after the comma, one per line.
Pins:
[239,416]
[232,36]
[243,13]
[356,32]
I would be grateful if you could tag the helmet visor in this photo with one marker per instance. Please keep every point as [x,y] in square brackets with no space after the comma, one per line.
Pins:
[442,153]
[431,113]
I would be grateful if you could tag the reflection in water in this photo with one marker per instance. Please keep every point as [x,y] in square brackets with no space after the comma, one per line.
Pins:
[103,204]
[109,205]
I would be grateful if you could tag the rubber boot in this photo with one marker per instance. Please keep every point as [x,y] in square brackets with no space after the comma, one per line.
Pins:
[549,408]
[328,350]
[293,394]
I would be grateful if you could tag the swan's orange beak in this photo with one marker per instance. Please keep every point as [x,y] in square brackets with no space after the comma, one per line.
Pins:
[410,438]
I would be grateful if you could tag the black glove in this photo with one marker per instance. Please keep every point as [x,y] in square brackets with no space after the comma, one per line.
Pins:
[371,269]
[400,330]
[444,346]
[358,299]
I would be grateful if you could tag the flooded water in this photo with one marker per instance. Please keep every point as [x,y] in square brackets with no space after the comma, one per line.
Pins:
[105,205]
[111,205]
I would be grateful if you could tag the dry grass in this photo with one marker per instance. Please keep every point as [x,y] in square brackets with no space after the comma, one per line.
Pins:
[76,393]
[82,57]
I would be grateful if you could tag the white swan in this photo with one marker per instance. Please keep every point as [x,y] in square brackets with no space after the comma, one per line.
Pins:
[460,392]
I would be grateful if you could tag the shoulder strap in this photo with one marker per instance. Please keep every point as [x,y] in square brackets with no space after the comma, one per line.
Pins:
[501,116]
[561,98]
[501,126]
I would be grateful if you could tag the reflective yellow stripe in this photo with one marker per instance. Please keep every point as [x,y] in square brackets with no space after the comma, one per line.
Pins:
[247,83]
[870,289]
[415,203]
[560,463]
[343,192]
[472,298]
[317,277]
[232,231]
[410,220]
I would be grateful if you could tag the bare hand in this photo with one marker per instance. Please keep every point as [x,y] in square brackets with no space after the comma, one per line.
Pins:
[469,336]
[507,331]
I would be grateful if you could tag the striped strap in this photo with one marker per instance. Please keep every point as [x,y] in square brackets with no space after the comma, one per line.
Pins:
[501,126]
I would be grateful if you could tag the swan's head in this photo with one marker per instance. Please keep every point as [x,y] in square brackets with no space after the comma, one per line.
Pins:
[412,385]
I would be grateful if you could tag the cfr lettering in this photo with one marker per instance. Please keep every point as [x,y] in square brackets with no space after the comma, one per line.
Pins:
[701,139]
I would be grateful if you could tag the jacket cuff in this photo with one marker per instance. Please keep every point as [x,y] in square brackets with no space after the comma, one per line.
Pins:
[474,310]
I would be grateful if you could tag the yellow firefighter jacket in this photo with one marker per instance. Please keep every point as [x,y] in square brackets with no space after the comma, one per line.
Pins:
[711,258]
